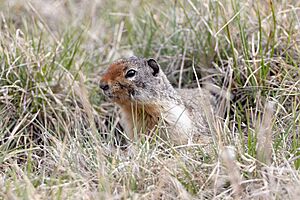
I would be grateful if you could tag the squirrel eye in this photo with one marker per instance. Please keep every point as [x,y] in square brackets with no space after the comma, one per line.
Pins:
[131,73]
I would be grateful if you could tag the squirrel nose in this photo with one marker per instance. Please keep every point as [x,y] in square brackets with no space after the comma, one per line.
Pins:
[104,86]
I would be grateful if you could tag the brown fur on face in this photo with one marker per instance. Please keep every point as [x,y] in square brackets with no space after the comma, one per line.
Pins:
[114,71]
[120,88]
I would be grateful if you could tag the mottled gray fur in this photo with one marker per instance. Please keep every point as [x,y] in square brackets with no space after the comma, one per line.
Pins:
[150,88]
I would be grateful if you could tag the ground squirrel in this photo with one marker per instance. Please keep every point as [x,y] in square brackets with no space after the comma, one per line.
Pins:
[148,101]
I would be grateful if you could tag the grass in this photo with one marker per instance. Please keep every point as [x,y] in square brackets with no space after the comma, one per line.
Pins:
[57,132]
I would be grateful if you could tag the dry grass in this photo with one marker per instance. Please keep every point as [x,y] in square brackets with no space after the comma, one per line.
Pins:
[58,134]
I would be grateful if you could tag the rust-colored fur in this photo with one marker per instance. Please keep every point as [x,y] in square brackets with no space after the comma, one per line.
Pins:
[140,118]
[114,72]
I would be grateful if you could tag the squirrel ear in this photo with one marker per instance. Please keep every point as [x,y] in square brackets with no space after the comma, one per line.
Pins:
[154,65]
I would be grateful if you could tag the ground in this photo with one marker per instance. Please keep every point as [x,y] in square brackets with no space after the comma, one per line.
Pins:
[57,131]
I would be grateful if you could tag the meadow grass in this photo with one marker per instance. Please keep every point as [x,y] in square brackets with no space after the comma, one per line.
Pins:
[58,132]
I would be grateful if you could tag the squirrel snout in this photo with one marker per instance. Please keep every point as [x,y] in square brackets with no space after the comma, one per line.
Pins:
[104,86]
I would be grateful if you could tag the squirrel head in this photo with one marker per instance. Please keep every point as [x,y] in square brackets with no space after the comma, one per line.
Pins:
[134,80]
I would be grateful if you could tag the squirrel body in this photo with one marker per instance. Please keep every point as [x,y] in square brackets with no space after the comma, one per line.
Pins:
[149,102]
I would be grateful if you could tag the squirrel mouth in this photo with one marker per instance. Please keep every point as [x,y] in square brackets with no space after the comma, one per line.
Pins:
[108,94]
[113,97]
[132,94]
